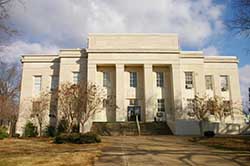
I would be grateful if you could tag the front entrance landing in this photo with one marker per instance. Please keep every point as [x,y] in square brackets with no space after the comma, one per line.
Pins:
[165,151]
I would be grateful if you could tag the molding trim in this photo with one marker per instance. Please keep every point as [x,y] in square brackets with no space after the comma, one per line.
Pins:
[166,51]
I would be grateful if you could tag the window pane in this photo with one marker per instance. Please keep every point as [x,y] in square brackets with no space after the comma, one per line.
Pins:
[209,82]
[36,105]
[54,82]
[76,77]
[190,104]
[159,79]
[188,80]
[161,105]
[104,103]
[224,83]
[37,84]
[133,79]
[227,106]
[106,79]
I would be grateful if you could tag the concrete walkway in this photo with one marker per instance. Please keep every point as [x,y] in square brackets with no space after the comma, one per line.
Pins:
[165,150]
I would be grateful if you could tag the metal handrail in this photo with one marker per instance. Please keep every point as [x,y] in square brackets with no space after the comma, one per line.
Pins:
[138,125]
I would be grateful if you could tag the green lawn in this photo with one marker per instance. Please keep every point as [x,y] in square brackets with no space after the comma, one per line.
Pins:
[41,151]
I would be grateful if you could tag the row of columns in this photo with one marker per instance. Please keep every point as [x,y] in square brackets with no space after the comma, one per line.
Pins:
[121,112]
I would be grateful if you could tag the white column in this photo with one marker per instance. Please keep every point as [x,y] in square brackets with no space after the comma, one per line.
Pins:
[92,73]
[148,93]
[91,77]
[177,92]
[119,77]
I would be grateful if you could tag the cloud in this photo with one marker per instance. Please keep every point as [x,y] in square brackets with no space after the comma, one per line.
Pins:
[11,53]
[244,82]
[211,50]
[65,23]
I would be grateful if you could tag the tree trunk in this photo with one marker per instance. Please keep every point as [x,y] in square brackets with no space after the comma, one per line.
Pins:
[12,130]
[201,127]
[40,129]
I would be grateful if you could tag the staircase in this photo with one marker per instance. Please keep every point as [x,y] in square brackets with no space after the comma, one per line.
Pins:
[130,128]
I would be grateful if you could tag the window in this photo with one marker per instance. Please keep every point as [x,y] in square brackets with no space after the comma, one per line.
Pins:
[104,103]
[133,102]
[76,77]
[190,104]
[37,84]
[160,105]
[190,108]
[159,79]
[224,83]
[227,106]
[133,79]
[36,105]
[209,82]
[188,80]
[106,79]
[54,82]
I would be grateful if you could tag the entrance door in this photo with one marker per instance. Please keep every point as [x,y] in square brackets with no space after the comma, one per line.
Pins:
[133,111]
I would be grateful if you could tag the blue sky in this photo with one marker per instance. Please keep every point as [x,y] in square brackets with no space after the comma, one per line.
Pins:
[45,26]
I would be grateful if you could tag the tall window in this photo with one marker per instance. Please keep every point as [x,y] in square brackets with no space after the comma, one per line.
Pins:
[160,105]
[190,105]
[159,79]
[227,106]
[76,77]
[188,80]
[104,103]
[133,79]
[106,79]
[54,82]
[224,83]
[209,82]
[37,84]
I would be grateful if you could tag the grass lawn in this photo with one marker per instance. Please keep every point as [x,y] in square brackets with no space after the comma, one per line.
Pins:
[41,151]
[239,143]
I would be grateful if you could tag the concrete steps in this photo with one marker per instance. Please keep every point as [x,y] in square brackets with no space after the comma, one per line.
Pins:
[130,128]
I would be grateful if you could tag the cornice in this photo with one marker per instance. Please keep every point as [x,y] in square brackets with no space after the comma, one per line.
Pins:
[221,60]
[165,51]
[133,34]
[39,58]
[72,53]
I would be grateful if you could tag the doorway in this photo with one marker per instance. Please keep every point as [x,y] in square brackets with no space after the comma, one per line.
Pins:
[133,111]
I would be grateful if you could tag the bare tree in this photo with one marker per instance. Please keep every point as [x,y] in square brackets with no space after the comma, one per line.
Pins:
[9,95]
[220,108]
[79,103]
[5,29]
[203,107]
[40,106]
[240,23]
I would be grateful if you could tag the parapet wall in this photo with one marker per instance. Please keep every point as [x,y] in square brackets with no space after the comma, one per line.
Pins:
[133,41]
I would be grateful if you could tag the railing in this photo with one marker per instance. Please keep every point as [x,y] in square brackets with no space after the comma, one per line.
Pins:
[138,125]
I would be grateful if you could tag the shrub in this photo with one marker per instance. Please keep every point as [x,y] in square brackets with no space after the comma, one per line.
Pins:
[209,134]
[30,130]
[75,128]
[16,135]
[62,126]
[3,132]
[77,138]
[50,131]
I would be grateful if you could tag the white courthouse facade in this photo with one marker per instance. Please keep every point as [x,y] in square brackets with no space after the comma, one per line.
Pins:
[147,73]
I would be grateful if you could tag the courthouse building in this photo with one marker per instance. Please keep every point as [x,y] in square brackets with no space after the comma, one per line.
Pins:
[147,73]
